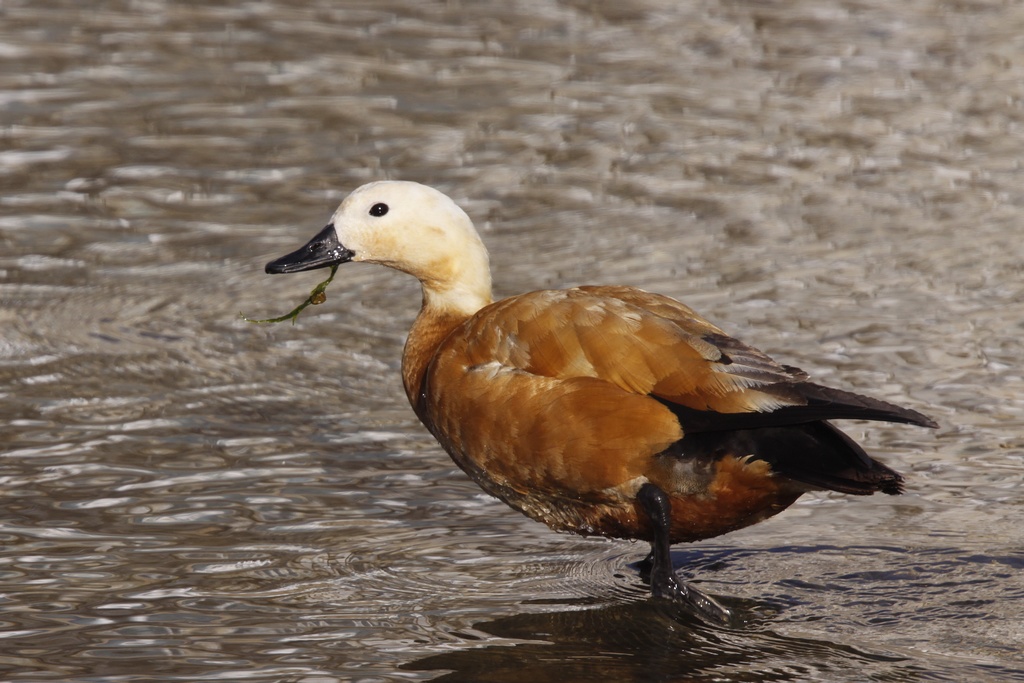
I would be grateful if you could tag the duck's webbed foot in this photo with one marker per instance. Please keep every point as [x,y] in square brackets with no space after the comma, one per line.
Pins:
[662,577]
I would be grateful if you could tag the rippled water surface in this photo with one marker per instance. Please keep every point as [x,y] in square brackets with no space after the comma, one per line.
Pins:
[190,497]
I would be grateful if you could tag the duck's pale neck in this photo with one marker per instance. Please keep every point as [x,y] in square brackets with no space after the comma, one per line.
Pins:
[459,285]
[447,303]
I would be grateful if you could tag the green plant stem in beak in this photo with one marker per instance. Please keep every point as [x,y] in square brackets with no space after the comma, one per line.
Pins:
[317,296]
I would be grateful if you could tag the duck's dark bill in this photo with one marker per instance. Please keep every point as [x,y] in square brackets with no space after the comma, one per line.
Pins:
[320,252]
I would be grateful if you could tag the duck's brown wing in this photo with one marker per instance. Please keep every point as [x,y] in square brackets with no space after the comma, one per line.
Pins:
[651,345]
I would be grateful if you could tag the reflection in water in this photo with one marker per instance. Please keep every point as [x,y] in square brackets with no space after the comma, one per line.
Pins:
[837,183]
[646,640]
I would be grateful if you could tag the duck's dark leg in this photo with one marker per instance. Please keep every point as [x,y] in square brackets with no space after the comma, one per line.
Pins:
[658,507]
[663,580]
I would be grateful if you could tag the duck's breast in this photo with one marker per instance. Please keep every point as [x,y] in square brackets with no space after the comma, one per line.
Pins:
[516,396]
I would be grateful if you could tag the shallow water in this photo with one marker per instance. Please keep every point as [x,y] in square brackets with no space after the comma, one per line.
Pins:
[837,183]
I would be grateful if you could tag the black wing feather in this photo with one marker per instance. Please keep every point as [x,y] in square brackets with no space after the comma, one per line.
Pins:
[814,403]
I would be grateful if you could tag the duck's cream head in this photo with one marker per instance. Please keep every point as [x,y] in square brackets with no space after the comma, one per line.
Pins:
[412,228]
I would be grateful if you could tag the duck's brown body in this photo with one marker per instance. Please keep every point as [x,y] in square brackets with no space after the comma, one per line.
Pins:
[560,403]
[599,410]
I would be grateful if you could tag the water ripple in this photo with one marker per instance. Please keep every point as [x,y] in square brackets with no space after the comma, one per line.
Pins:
[840,188]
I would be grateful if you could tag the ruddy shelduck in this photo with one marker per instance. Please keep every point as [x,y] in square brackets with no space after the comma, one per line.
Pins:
[602,410]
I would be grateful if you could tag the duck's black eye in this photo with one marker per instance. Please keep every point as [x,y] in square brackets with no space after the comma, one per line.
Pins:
[378,210]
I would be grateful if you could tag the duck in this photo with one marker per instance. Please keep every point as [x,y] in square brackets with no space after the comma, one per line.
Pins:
[600,410]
